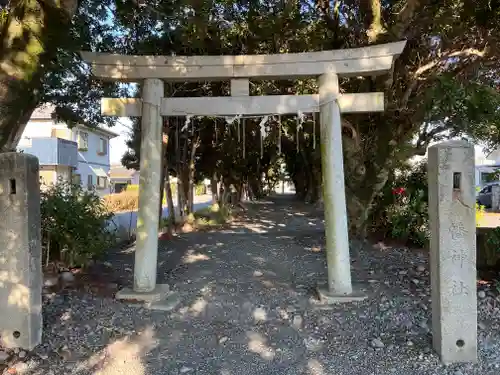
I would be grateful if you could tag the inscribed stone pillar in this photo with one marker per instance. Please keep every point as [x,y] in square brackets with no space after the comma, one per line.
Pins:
[495,198]
[453,250]
[21,253]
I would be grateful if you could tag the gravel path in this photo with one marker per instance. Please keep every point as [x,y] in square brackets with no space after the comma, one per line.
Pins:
[248,307]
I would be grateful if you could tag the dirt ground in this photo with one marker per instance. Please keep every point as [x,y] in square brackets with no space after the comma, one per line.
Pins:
[248,307]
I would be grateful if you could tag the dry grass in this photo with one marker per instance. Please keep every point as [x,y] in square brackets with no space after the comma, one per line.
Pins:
[488,220]
[127,200]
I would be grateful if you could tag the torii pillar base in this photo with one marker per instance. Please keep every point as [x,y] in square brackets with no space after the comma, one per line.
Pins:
[160,298]
[326,297]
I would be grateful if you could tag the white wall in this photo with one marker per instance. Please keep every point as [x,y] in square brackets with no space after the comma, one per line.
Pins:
[135,178]
[90,161]
[38,129]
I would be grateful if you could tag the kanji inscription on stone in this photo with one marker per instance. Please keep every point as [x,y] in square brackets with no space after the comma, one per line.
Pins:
[453,250]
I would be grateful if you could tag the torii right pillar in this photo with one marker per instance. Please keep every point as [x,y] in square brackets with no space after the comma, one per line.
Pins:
[339,287]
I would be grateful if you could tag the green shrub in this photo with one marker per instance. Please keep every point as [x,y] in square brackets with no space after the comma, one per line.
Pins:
[74,224]
[213,215]
[479,213]
[406,211]
[199,189]
[405,215]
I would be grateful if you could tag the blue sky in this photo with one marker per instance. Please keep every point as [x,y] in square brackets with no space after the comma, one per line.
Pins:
[117,146]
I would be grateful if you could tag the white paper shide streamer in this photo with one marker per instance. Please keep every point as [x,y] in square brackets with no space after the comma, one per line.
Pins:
[186,123]
[314,131]
[300,120]
[263,134]
[279,135]
[244,138]
[231,120]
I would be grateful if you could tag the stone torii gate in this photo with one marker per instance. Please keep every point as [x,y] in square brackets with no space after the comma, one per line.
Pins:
[151,71]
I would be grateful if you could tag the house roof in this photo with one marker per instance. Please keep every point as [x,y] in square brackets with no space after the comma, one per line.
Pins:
[106,132]
[119,171]
[45,111]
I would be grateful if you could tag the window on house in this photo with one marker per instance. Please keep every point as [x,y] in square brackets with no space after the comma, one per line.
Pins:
[83,140]
[102,182]
[90,183]
[77,179]
[103,146]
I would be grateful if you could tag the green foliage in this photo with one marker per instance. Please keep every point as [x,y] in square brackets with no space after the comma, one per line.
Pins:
[445,83]
[67,82]
[74,224]
[488,246]
[479,213]
[472,108]
[200,189]
[493,239]
[406,212]
[212,215]
[407,216]
[492,177]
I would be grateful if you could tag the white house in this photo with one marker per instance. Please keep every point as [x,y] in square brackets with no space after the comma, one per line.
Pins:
[120,177]
[485,166]
[80,153]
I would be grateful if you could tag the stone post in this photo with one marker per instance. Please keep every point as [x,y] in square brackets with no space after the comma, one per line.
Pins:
[453,250]
[495,198]
[332,163]
[146,250]
[21,252]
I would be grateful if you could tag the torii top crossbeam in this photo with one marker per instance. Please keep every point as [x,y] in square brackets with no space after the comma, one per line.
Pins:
[370,60]
[238,69]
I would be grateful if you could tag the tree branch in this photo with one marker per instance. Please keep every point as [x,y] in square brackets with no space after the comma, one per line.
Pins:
[404,18]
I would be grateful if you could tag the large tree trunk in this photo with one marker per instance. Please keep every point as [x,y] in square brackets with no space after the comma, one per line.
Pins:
[162,189]
[180,200]
[33,42]
[170,201]
[184,192]
[366,173]
[213,188]
[192,166]
[164,168]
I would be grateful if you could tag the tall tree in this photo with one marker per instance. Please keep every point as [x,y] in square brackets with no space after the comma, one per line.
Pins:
[39,61]
[445,84]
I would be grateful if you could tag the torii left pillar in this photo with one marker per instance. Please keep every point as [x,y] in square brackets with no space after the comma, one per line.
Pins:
[156,296]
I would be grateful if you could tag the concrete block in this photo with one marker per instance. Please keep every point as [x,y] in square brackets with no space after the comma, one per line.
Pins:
[453,250]
[21,257]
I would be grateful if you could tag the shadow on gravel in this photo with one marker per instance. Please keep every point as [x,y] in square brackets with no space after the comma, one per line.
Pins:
[247,307]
